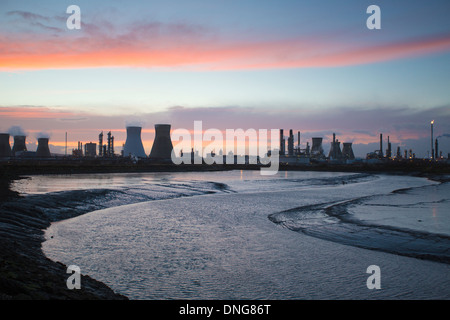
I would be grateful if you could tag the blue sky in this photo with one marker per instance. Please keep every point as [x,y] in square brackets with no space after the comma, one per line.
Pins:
[151,59]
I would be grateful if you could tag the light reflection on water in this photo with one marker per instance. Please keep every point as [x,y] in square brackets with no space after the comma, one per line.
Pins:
[40,184]
[223,246]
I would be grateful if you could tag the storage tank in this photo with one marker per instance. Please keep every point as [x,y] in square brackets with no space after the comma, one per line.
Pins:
[133,144]
[42,150]
[5,147]
[162,146]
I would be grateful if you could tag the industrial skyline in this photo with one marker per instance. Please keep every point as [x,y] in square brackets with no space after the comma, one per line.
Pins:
[312,66]
[291,148]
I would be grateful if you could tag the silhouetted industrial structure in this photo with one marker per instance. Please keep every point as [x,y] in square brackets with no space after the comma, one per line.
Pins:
[5,147]
[90,149]
[335,150]
[100,144]
[161,151]
[291,143]
[19,145]
[133,144]
[316,148]
[282,143]
[43,150]
[347,151]
[162,145]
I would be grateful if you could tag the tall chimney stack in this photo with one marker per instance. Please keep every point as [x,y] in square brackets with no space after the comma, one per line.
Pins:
[381,145]
[432,149]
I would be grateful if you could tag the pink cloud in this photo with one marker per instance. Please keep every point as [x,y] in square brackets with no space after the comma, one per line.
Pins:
[179,45]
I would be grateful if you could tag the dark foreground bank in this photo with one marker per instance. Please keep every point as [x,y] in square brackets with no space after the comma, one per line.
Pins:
[25,273]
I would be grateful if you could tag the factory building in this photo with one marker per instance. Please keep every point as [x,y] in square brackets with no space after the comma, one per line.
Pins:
[90,149]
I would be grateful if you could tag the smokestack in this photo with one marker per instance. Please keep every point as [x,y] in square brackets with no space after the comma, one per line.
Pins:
[109,144]
[436,149]
[381,145]
[162,146]
[133,144]
[42,150]
[432,150]
[282,143]
[291,143]
[5,147]
[19,144]
[389,150]
[100,144]
[298,140]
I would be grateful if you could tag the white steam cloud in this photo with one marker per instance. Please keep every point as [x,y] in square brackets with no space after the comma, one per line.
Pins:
[17,131]
[43,134]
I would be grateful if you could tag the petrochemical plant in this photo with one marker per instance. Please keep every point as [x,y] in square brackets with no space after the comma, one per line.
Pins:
[161,151]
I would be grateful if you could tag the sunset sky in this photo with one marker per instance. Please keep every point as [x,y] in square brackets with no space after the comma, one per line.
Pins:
[311,66]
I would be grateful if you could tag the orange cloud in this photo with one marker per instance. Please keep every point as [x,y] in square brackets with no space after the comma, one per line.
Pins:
[204,54]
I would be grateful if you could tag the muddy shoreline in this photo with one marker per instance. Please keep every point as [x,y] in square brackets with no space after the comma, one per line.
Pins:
[25,272]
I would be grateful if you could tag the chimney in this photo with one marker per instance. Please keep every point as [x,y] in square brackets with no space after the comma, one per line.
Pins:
[291,143]
[436,147]
[282,143]
[381,145]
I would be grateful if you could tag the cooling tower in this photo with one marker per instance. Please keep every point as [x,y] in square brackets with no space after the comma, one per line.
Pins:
[42,150]
[347,151]
[162,146]
[335,150]
[5,147]
[19,144]
[133,144]
[316,149]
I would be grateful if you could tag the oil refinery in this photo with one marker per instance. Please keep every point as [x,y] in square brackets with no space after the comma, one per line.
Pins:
[291,151]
